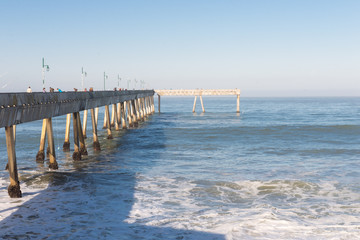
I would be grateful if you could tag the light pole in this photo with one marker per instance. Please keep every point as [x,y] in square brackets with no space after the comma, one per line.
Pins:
[119,80]
[135,82]
[105,77]
[83,75]
[142,84]
[44,67]
[128,82]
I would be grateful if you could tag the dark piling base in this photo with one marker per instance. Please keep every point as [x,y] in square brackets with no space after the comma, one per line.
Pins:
[105,127]
[40,157]
[76,156]
[83,151]
[109,137]
[48,151]
[96,146]
[7,166]
[66,147]
[14,191]
[53,166]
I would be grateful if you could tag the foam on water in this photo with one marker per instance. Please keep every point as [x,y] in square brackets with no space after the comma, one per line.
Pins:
[286,209]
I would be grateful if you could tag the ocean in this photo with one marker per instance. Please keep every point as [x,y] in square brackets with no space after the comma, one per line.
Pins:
[284,168]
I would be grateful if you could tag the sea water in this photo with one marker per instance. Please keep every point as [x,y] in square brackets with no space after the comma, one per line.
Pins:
[284,168]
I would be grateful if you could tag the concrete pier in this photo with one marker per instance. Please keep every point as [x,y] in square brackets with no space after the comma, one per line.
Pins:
[200,93]
[17,108]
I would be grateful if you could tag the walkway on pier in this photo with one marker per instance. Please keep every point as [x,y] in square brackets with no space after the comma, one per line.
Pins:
[200,93]
[128,107]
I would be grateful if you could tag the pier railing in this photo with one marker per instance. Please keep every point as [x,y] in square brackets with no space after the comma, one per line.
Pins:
[16,108]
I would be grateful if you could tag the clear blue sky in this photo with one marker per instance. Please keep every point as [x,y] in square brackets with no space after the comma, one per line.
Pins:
[263,47]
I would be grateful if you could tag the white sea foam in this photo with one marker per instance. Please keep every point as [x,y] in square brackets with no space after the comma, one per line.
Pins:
[280,209]
[10,205]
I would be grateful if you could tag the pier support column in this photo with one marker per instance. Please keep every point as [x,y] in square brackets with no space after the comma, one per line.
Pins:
[66,145]
[202,104]
[49,132]
[116,122]
[118,116]
[134,113]
[129,117]
[96,115]
[105,119]
[76,155]
[238,104]
[113,115]
[40,156]
[194,104]
[14,187]
[159,103]
[84,123]
[108,125]
[123,114]
[83,150]
[96,144]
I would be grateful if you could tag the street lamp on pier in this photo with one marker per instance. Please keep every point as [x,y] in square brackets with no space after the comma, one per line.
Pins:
[105,77]
[119,80]
[83,75]
[44,67]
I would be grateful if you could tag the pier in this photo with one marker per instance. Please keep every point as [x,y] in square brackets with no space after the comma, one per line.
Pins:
[200,93]
[127,108]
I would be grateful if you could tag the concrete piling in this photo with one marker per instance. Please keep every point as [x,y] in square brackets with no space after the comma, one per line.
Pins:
[66,145]
[14,187]
[49,131]
[40,156]
[96,144]
[108,125]
[85,116]
[83,150]
[76,155]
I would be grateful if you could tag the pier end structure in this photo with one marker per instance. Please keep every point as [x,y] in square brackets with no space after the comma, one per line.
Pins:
[200,93]
[17,108]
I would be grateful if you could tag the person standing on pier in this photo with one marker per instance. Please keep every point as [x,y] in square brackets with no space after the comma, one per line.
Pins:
[29,90]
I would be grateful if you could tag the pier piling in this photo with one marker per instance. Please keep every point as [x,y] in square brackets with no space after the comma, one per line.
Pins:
[66,145]
[96,144]
[76,155]
[84,123]
[49,131]
[14,187]
[108,125]
[40,156]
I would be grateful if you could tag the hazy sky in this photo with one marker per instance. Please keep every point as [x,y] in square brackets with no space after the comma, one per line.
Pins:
[265,48]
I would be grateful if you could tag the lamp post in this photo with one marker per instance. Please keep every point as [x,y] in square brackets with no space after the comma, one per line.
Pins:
[83,75]
[119,80]
[44,67]
[105,77]
[135,82]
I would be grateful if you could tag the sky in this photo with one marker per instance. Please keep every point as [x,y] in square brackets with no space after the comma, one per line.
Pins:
[263,47]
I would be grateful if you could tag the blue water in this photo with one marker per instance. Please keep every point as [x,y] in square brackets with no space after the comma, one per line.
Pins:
[284,168]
